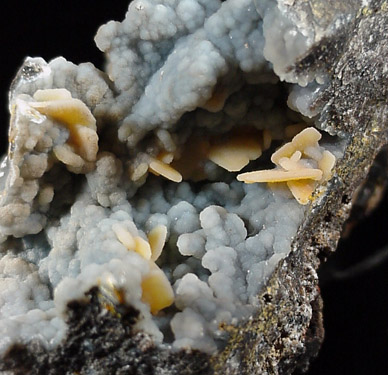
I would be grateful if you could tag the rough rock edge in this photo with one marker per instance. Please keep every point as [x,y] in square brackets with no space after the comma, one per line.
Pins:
[287,330]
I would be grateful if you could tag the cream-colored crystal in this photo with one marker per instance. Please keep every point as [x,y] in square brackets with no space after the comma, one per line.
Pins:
[142,247]
[67,111]
[291,163]
[307,137]
[157,290]
[67,156]
[326,164]
[156,238]
[278,175]
[234,154]
[124,236]
[285,151]
[302,190]
[87,142]
[158,167]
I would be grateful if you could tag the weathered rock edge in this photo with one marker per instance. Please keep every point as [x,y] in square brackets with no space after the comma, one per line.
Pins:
[286,333]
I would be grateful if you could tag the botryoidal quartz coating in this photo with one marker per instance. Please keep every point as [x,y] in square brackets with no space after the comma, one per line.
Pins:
[125,180]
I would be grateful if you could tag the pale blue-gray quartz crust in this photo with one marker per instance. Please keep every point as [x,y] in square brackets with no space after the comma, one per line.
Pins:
[166,57]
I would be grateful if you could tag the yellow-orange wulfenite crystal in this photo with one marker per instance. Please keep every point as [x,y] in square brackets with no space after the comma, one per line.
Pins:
[142,247]
[279,175]
[302,164]
[241,147]
[234,154]
[308,137]
[82,146]
[159,167]
[156,288]
[157,238]
[157,291]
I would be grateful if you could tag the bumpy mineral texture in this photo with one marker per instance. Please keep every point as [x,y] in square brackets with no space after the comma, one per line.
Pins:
[188,90]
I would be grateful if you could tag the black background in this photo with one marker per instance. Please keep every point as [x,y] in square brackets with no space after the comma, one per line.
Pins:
[356,309]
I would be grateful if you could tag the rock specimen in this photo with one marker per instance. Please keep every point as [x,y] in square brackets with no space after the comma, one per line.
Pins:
[129,244]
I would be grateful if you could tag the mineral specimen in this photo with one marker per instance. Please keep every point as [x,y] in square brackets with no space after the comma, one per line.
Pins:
[128,242]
